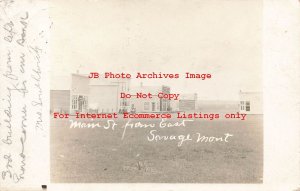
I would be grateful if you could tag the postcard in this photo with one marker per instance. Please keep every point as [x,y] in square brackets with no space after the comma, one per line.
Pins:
[149,95]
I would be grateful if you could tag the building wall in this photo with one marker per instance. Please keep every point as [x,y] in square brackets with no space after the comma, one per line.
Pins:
[149,105]
[122,85]
[165,103]
[221,106]
[79,84]
[60,101]
[103,98]
[146,105]
[187,105]
[174,104]
[187,102]
[79,91]
[255,101]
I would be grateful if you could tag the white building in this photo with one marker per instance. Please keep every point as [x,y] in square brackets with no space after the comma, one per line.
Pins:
[82,94]
[251,102]
[79,93]
[104,95]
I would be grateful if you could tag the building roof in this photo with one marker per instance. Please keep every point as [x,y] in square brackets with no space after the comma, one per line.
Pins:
[63,82]
[146,89]
[101,82]
[188,96]
[250,92]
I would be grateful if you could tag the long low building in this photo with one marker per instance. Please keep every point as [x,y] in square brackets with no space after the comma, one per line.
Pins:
[186,102]
[153,104]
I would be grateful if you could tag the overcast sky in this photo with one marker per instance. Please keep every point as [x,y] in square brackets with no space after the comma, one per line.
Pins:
[221,37]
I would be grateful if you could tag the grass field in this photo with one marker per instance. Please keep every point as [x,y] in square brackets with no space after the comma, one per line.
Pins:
[101,156]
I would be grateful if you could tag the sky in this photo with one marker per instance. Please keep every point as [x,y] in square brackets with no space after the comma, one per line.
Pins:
[220,37]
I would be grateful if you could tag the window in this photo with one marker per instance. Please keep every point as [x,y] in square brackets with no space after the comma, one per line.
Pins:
[164,106]
[153,106]
[242,105]
[85,102]
[247,105]
[146,106]
[74,102]
[79,102]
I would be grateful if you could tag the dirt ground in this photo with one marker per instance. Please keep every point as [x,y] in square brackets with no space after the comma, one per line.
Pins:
[100,156]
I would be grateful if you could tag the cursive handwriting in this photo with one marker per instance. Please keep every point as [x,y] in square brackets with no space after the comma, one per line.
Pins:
[180,138]
[20,176]
[8,166]
[21,41]
[154,136]
[37,76]
[110,124]
[20,87]
[9,72]
[6,3]
[22,63]
[9,28]
[163,123]
[8,117]
[22,90]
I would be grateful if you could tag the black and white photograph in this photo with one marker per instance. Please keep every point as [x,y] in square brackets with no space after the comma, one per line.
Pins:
[157,92]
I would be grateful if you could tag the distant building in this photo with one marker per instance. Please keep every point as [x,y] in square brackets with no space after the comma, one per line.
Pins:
[60,95]
[220,106]
[147,104]
[251,102]
[187,102]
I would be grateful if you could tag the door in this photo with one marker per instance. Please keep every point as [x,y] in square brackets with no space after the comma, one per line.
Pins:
[153,106]
[80,103]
